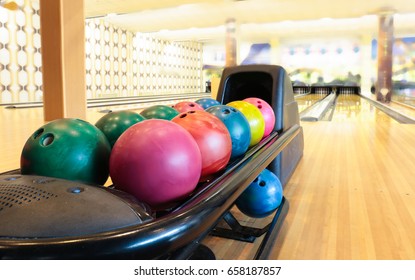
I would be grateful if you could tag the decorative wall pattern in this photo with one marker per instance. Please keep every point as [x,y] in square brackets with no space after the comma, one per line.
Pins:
[107,59]
[20,55]
[118,62]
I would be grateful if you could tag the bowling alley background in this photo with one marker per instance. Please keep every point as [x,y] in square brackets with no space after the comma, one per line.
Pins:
[122,63]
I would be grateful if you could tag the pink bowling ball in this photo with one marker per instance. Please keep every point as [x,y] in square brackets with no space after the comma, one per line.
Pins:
[157,161]
[267,113]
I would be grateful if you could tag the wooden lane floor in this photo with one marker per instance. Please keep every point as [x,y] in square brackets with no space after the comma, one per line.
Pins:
[354,108]
[16,126]
[402,104]
[305,101]
[352,195]
[406,96]
[403,108]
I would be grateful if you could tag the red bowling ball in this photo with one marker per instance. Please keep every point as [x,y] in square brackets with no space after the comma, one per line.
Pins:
[185,106]
[212,137]
[266,111]
[157,161]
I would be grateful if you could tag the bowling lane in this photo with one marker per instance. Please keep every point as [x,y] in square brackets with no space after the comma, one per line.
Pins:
[402,108]
[305,101]
[351,107]
[406,96]
[16,127]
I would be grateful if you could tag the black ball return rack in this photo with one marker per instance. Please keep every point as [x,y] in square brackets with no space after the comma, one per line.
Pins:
[176,233]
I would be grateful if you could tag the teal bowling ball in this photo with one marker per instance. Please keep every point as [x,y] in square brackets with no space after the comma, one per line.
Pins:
[162,112]
[262,197]
[207,102]
[115,123]
[67,148]
[237,125]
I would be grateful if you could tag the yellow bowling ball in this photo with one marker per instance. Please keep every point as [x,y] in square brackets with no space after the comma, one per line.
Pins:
[254,117]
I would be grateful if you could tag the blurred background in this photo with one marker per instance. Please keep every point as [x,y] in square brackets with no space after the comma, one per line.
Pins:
[166,47]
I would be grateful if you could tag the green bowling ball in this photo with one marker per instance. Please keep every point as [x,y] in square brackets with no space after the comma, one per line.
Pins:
[67,148]
[159,112]
[115,123]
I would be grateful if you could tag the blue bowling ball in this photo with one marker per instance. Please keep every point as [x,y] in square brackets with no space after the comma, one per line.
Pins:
[262,197]
[207,102]
[237,125]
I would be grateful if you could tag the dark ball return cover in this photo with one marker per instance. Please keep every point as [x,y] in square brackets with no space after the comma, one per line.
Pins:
[42,207]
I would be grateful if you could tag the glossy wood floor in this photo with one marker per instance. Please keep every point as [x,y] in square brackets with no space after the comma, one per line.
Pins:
[305,101]
[352,195]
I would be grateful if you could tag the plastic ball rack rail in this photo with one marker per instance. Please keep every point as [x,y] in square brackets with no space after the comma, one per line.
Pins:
[49,218]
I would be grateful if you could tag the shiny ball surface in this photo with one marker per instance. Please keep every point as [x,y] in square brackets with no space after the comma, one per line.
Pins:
[262,197]
[114,124]
[237,125]
[267,113]
[254,117]
[67,148]
[162,112]
[157,161]
[211,136]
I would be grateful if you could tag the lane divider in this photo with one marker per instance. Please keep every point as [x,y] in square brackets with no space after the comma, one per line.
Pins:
[318,110]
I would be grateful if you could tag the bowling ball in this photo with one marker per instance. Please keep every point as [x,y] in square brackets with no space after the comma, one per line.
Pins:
[254,117]
[115,123]
[262,197]
[157,161]
[67,148]
[267,113]
[211,136]
[159,112]
[237,125]
[207,102]
[185,106]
